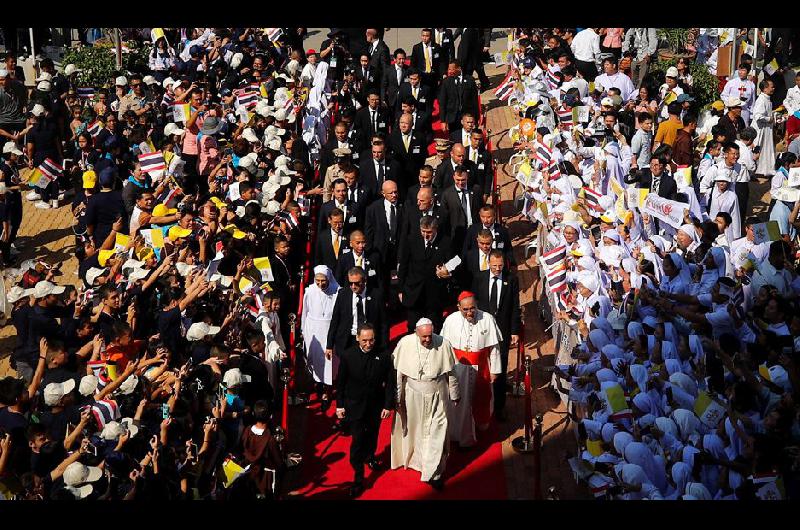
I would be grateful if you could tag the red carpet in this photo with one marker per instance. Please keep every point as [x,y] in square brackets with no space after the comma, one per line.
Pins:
[476,473]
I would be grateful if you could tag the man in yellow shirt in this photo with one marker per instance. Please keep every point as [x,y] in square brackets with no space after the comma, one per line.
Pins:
[668,129]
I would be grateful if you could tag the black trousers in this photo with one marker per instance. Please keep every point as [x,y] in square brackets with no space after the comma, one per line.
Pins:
[587,69]
[742,195]
[500,384]
[364,431]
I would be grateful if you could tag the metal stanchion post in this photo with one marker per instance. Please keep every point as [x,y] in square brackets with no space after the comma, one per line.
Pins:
[518,389]
[537,458]
[525,443]
[292,397]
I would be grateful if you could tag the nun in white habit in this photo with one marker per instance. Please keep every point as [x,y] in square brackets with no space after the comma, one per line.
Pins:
[723,199]
[318,302]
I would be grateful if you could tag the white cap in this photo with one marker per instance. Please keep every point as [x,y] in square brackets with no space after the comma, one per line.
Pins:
[112,431]
[282,161]
[275,144]
[128,386]
[17,292]
[273,130]
[235,377]
[250,135]
[167,82]
[422,322]
[45,288]
[280,115]
[71,69]
[149,80]
[37,110]
[607,102]
[94,273]
[200,330]
[672,72]
[44,86]
[236,60]
[77,473]
[88,385]
[733,102]
[272,207]
[128,424]
[44,76]
[55,391]
[176,83]
[121,81]
[138,274]
[172,128]
[11,147]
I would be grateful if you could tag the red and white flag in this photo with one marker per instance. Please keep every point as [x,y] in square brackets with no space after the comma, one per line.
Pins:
[152,161]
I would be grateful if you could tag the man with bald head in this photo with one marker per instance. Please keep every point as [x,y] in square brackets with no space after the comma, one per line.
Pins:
[443,177]
[384,220]
[427,388]
[426,204]
[424,180]
[407,147]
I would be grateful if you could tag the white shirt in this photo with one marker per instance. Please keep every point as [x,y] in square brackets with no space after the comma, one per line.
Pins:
[135,224]
[586,46]
[399,72]
[468,211]
[792,101]
[342,207]
[363,295]
[387,209]
[378,169]
[618,80]
[499,286]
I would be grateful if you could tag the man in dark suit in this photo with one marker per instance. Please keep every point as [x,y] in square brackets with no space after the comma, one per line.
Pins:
[408,149]
[366,77]
[470,52]
[497,293]
[462,203]
[358,198]
[476,259]
[645,179]
[365,396]
[443,176]
[501,240]
[378,53]
[425,205]
[481,161]
[393,78]
[339,139]
[457,95]
[383,222]
[461,135]
[420,123]
[420,92]
[373,118]
[339,201]
[356,256]
[355,305]
[377,169]
[444,38]
[330,241]
[335,51]
[423,276]
[429,59]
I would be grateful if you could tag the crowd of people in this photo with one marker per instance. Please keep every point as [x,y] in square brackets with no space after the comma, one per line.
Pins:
[680,301]
[253,217]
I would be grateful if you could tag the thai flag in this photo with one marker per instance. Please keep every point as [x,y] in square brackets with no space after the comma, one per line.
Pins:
[506,88]
[94,128]
[86,92]
[554,257]
[274,34]
[592,199]
[98,369]
[557,277]
[152,161]
[51,169]
[104,411]
[168,196]
[551,80]
[290,218]
[565,116]
[247,100]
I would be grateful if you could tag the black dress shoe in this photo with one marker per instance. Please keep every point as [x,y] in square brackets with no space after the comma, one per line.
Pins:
[373,463]
[356,489]
[437,484]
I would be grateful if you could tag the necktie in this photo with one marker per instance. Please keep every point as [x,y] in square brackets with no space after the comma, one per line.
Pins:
[493,296]
[380,173]
[406,140]
[336,245]
[399,75]
[483,262]
[360,310]
[427,59]
[374,121]
[438,38]
[392,222]
[474,155]
[352,194]
[414,92]
[360,261]
[427,249]
[464,201]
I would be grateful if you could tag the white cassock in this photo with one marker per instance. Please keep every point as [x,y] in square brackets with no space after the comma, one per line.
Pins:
[475,346]
[766,160]
[727,202]
[315,322]
[273,344]
[426,384]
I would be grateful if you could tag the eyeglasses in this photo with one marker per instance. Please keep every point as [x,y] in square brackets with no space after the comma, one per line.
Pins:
[356,283]
[136,85]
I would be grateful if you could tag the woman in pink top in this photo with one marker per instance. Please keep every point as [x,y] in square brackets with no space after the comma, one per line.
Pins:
[612,42]
[209,155]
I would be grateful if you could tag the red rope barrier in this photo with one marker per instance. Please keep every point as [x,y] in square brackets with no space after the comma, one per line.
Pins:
[520,354]
[528,392]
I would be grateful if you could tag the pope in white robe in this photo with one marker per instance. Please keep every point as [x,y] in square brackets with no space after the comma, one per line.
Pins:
[318,302]
[763,122]
[426,383]
[475,337]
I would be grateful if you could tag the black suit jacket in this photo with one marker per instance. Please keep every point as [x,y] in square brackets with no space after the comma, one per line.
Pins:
[380,59]
[417,272]
[347,261]
[421,126]
[411,198]
[413,217]
[351,218]
[390,88]
[366,382]
[484,175]
[379,240]
[507,312]
[410,161]
[424,99]
[457,220]
[363,124]
[369,178]
[667,188]
[342,319]
[470,47]
[324,252]
[439,58]
[457,98]
[371,81]
[501,242]
[326,158]
[443,176]
[448,45]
